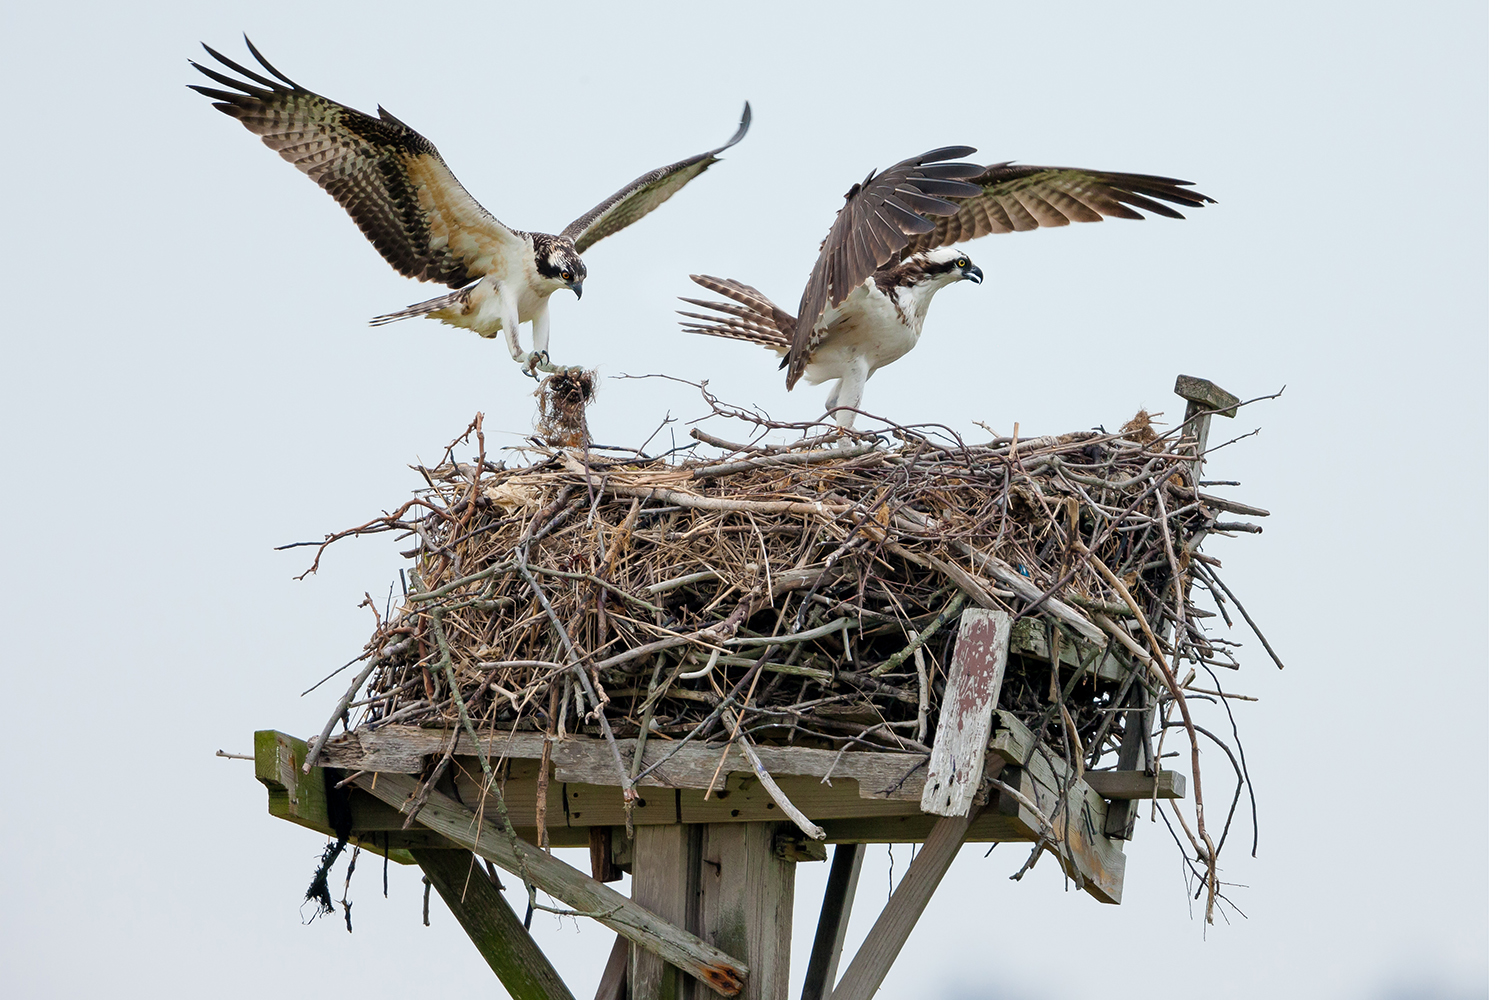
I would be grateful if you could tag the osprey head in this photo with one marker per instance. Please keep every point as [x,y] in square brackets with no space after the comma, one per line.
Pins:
[559,265]
[949,265]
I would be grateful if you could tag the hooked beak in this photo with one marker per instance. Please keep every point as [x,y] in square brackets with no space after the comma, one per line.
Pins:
[974,274]
[577,287]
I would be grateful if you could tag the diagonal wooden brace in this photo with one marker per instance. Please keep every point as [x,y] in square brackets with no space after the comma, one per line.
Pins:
[721,972]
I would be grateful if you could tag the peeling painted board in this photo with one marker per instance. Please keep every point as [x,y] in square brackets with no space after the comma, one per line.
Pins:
[743,799]
[956,767]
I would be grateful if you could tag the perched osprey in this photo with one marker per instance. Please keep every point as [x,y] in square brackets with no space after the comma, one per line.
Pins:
[400,193]
[888,253]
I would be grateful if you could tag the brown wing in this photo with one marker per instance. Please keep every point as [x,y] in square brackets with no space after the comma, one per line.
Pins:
[390,179]
[645,194]
[1019,198]
[879,218]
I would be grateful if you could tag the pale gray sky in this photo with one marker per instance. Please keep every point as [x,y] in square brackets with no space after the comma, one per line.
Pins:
[191,381]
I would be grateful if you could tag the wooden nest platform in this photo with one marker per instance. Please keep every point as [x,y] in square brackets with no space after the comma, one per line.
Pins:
[851,639]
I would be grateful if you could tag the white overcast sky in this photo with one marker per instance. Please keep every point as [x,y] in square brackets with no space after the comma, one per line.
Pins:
[190,381]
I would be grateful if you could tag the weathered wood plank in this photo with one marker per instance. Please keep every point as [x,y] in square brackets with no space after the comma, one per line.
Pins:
[301,798]
[604,805]
[582,760]
[833,921]
[744,800]
[665,880]
[1203,399]
[721,972]
[1206,394]
[879,775]
[505,945]
[295,796]
[876,955]
[991,827]
[1137,784]
[404,749]
[956,766]
[1076,836]
[746,903]
[1032,637]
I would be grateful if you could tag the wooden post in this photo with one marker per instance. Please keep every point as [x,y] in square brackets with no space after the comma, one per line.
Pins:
[664,879]
[488,920]
[833,922]
[746,904]
[1204,400]
[724,883]
[1135,748]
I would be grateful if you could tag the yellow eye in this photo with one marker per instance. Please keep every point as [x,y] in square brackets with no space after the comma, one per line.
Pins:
[567,276]
[963,262]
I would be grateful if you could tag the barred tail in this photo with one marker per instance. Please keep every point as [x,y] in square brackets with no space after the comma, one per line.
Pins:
[454,300]
[756,319]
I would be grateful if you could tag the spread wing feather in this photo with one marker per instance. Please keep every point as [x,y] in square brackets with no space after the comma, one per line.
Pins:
[1019,198]
[645,194]
[881,215]
[388,177]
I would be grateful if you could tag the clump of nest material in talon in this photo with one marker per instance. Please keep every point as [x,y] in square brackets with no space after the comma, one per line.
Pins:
[810,596]
[562,399]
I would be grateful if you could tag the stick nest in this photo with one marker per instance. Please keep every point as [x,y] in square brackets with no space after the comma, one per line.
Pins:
[807,594]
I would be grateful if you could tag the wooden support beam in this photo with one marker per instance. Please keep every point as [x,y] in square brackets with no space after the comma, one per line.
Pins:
[302,798]
[833,921]
[601,855]
[616,972]
[1119,818]
[491,924]
[1072,815]
[1033,637]
[868,968]
[723,973]
[1133,785]
[956,767]
[745,906]
[665,879]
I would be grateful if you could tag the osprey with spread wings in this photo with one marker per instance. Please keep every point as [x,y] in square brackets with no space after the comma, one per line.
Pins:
[889,251]
[403,197]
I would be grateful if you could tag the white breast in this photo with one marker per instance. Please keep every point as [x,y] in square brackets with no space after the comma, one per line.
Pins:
[867,326]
